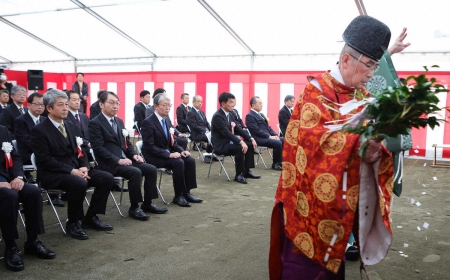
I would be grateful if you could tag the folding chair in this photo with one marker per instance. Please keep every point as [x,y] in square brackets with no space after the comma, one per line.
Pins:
[221,160]
[25,168]
[258,150]
[200,155]
[279,130]
[116,178]
[44,191]
[160,170]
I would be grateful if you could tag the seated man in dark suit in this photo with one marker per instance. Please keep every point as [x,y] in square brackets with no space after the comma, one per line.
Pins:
[22,128]
[285,113]
[62,165]
[15,109]
[94,110]
[182,139]
[140,107]
[224,140]
[264,135]
[197,121]
[12,191]
[116,155]
[4,99]
[160,149]
[182,112]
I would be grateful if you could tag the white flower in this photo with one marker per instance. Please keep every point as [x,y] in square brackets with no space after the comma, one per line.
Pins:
[79,141]
[171,130]
[7,147]
[124,132]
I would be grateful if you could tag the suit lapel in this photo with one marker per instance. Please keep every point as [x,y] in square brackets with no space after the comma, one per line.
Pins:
[108,126]
[159,126]
[59,137]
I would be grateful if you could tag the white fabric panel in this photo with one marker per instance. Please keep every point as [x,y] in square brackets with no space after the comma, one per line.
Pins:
[53,85]
[130,93]
[237,89]
[111,86]
[170,91]
[150,86]
[94,88]
[64,85]
[211,99]
[190,88]
[436,136]
[285,89]
[261,90]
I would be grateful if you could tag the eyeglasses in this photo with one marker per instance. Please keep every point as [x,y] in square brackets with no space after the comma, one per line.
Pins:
[374,68]
[112,103]
[166,105]
[38,104]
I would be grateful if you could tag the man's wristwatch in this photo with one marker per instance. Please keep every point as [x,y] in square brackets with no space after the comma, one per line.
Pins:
[21,178]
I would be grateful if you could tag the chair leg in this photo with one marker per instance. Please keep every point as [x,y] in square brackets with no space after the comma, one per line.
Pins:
[115,203]
[158,188]
[21,218]
[210,163]
[121,191]
[224,170]
[56,213]
[87,201]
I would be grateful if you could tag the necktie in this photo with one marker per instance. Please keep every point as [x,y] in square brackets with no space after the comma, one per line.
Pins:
[290,111]
[21,111]
[200,114]
[187,109]
[163,124]
[114,125]
[262,117]
[62,130]
[37,121]
[78,120]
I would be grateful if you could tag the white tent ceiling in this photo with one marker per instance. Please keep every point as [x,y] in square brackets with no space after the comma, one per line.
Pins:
[209,34]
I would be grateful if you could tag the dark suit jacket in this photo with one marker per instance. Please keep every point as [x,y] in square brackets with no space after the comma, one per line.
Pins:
[283,118]
[149,111]
[155,143]
[84,126]
[54,153]
[107,143]
[197,124]
[181,118]
[238,119]
[94,110]
[84,92]
[17,167]
[258,127]
[139,113]
[221,132]
[22,126]
[8,116]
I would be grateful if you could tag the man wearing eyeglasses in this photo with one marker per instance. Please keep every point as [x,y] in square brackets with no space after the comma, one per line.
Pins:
[116,155]
[321,188]
[15,109]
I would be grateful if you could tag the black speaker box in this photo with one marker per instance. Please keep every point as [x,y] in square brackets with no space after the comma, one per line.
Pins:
[35,80]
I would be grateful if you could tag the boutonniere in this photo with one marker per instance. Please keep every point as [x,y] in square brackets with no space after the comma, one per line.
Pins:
[7,148]
[79,143]
[171,131]
[233,124]
[267,119]
[125,135]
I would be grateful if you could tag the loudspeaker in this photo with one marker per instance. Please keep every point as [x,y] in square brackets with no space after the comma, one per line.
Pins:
[35,80]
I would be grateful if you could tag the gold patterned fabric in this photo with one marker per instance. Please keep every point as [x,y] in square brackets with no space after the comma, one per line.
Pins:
[320,182]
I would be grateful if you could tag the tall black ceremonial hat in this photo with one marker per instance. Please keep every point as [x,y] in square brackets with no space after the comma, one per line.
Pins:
[368,36]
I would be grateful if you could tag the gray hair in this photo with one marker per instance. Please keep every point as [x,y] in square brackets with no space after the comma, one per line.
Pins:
[195,98]
[160,97]
[17,88]
[253,100]
[51,95]
[288,97]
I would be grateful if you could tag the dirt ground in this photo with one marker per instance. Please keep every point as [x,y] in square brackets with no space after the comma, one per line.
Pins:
[227,236]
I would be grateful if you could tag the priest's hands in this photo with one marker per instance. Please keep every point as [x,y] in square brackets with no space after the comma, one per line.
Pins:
[373,152]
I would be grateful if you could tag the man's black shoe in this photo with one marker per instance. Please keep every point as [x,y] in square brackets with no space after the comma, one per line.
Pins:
[250,175]
[138,214]
[96,224]
[240,179]
[76,231]
[153,209]
[13,260]
[57,202]
[207,159]
[118,187]
[181,201]
[190,198]
[277,166]
[352,254]
[38,249]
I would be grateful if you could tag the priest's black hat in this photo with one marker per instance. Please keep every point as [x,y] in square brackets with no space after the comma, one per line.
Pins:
[368,36]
